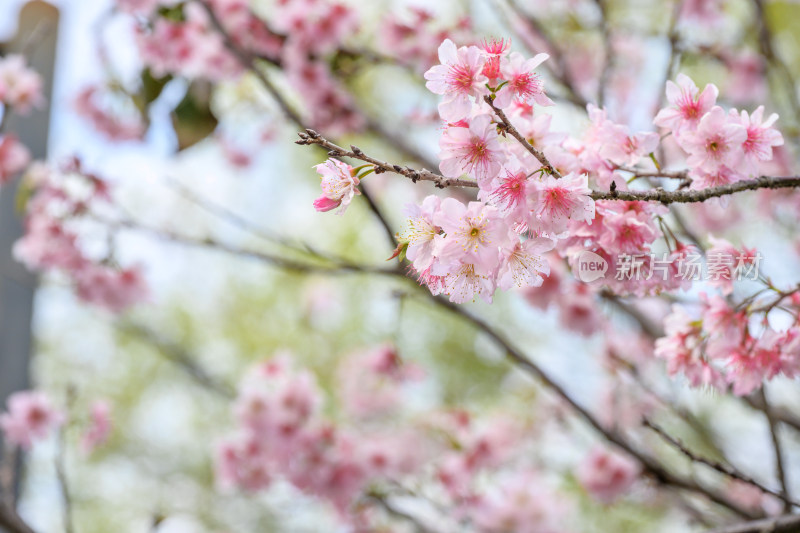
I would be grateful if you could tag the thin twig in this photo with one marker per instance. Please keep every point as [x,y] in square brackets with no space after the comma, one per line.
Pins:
[383,501]
[725,469]
[61,475]
[311,137]
[334,268]
[701,195]
[538,154]
[789,523]
[780,468]
[766,41]
[653,467]
[179,356]
[608,53]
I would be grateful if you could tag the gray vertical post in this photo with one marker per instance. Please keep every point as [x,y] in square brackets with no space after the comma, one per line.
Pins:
[36,39]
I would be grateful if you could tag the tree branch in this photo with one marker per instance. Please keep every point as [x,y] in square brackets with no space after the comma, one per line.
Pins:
[179,356]
[780,469]
[653,467]
[727,470]
[693,196]
[311,137]
[538,154]
[608,53]
[789,523]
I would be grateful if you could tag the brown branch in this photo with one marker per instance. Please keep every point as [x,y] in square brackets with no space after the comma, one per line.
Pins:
[766,41]
[725,469]
[782,414]
[692,196]
[538,154]
[608,53]
[789,523]
[650,465]
[335,267]
[176,354]
[61,476]
[383,501]
[311,137]
[780,469]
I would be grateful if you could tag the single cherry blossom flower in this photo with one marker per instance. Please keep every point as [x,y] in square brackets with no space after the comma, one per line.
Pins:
[522,84]
[606,475]
[761,137]
[14,157]
[474,151]
[717,141]
[99,427]
[474,234]
[339,186]
[457,78]
[421,232]
[556,202]
[30,418]
[687,105]
[524,264]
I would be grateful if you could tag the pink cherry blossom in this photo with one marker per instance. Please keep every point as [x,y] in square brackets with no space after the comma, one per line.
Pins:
[523,264]
[472,150]
[626,233]
[474,234]
[509,191]
[522,504]
[578,311]
[93,104]
[421,232]
[495,51]
[681,347]
[687,105]
[556,202]
[30,418]
[606,475]
[20,87]
[726,262]
[722,175]
[761,138]
[458,77]
[521,82]
[717,141]
[14,157]
[339,186]
[622,148]
[99,427]
[112,289]
[465,281]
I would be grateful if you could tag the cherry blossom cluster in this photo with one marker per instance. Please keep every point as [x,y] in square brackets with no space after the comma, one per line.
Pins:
[20,91]
[721,344]
[101,107]
[722,147]
[282,433]
[414,38]
[31,417]
[59,200]
[534,195]
[301,37]
[20,86]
